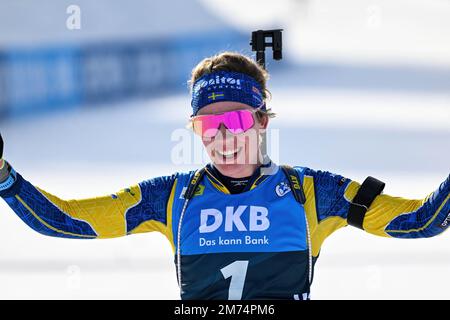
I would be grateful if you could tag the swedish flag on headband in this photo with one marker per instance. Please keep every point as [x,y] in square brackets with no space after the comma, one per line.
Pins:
[216,96]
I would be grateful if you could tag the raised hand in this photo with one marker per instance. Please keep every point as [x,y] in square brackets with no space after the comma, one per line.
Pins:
[3,167]
[1,146]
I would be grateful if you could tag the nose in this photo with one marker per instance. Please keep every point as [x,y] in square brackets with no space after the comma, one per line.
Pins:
[221,134]
[225,138]
[222,130]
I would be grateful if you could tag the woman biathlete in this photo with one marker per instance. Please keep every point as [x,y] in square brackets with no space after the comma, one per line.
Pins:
[242,227]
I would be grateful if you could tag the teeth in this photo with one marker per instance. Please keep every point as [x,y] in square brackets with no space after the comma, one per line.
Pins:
[228,154]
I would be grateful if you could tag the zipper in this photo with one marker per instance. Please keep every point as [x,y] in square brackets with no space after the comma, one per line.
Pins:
[178,243]
[309,249]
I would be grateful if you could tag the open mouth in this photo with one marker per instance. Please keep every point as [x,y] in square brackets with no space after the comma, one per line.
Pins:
[229,154]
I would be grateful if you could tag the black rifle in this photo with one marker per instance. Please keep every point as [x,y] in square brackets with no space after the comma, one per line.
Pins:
[259,44]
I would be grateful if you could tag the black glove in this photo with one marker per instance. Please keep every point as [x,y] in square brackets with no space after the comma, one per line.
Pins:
[1,146]
[4,170]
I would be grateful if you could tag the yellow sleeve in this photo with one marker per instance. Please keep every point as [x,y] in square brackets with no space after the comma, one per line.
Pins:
[141,208]
[106,215]
[398,217]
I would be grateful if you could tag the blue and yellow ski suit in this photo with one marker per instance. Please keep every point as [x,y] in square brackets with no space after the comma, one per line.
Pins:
[258,244]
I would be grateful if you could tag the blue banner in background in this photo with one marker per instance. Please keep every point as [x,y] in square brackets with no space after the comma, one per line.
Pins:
[37,80]
[33,81]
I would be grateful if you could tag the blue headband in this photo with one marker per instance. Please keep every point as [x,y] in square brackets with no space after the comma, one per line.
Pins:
[226,86]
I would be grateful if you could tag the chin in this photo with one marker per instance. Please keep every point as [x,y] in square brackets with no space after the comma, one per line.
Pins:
[231,169]
[237,166]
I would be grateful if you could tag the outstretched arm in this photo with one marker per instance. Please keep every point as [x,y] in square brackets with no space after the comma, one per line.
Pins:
[404,218]
[140,208]
[328,199]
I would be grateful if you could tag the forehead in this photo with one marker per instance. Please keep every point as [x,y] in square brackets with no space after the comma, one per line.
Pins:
[223,106]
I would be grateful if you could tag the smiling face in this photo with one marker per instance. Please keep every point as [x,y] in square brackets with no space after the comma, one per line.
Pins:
[239,78]
[234,155]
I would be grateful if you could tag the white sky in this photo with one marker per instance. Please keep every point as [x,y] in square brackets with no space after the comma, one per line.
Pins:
[365,31]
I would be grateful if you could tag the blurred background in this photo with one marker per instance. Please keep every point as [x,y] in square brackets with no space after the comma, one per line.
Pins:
[91,93]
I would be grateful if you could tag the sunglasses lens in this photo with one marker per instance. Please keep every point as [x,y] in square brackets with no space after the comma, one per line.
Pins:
[239,121]
[206,126]
[236,122]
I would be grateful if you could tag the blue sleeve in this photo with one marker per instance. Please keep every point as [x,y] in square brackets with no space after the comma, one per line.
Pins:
[155,197]
[429,218]
[329,190]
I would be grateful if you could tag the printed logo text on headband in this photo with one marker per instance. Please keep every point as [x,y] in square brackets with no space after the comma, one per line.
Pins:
[226,86]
